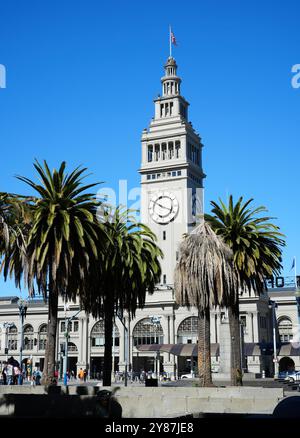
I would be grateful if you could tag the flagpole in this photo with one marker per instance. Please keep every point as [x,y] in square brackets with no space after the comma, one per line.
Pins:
[170,42]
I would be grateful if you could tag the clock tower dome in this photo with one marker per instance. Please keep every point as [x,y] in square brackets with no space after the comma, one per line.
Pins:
[171,171]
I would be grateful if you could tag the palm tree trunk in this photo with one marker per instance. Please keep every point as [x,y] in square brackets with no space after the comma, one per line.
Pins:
[108,328]
[49,366]
[204,357]
[234,325]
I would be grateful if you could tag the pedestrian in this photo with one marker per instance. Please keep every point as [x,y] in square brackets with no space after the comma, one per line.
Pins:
[4,371]
[81,374]
[84,374]
[38,376]
[10,374]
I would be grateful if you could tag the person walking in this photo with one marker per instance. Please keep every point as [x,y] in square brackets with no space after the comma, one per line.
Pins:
[84,374]
[81,374]
[10,374]
[4,376]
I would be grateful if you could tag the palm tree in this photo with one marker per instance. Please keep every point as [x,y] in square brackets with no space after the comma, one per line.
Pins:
[128,269]
[15,222]
[256,245]
[204,277]
[4,221]
[62,241]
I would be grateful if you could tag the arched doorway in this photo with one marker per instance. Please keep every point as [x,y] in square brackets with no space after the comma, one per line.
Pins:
[147,331]
[286,364]
[72,358]
[97,349]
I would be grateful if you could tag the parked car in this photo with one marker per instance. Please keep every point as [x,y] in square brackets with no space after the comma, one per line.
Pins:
[188,376]
[285,374]
[295,377]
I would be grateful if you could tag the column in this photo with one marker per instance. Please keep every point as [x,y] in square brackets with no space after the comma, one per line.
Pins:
[225,348]
[82,350]
[169,359]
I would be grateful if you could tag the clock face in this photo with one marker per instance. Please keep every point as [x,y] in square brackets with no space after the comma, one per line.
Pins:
[163,207]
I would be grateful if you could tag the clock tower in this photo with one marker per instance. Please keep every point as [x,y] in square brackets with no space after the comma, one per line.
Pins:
[171,171]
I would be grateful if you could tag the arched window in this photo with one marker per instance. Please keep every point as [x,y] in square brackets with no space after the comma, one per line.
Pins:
[188,331]
[42,337]
[147,332]
[285,329]
[150,153]
[97,335]
[177,148]
[12,338]
[72,347]
[28,339]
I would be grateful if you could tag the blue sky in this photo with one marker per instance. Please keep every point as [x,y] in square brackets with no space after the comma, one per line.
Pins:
[82,75]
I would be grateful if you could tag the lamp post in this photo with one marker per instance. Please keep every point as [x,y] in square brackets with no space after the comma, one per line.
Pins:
[273,306]
[119,314]
[23,305]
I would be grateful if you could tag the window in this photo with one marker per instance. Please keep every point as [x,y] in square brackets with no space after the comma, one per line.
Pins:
[148,332]
[150,153]
[164,151]
[28,340]
[97,335]
[72,347]
[171,150]
[76,326]
[148,176]
[42,337]
[153,176]
[171,108]
[173,173]
[164,235]
[157,152]
[285,328]
[177,148]
[179,173]
[12,338]
[164,279]
[188,331]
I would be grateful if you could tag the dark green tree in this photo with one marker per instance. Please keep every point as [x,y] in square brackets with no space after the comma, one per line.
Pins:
[63,240]
[128,269]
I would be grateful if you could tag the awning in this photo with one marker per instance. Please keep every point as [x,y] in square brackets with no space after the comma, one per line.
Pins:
[250,349]
[289,349]
[177,349]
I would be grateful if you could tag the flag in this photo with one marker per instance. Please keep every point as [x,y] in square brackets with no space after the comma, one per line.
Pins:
[293,264]
[173,39]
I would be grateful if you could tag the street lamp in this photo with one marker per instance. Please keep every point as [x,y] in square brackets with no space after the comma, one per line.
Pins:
[23,305]
[119,314]
[273,306]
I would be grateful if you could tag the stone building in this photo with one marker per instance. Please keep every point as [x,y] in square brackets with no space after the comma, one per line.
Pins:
[171,203]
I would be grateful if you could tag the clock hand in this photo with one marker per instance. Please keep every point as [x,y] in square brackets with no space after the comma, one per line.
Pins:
[163,206]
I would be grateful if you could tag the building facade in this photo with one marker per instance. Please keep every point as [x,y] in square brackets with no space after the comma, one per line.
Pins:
[171,204]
